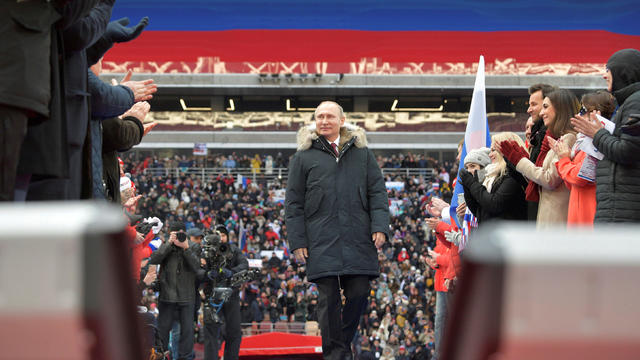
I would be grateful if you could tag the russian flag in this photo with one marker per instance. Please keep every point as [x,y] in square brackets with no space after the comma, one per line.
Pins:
[476,136]
[243,238]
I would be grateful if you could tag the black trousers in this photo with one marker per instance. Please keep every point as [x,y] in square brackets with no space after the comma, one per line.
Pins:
[232,334]
[183,312]
[338,324]
[13,129]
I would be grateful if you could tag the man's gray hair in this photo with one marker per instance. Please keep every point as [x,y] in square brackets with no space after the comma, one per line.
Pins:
[340,110]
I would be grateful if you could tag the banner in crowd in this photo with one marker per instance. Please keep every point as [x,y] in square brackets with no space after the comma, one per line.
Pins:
[200,149]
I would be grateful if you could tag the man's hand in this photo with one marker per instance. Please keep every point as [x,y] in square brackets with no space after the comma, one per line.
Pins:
[117,31]
[432,223]
[461,209]
[301,255]
[378,238]
[132,202]
[559,147]
[151,276]
[181,244]
[142,90]
[432,263]
[439,203]
[587,125]
[148,127]
[138,110]
[436,206]
[434,255]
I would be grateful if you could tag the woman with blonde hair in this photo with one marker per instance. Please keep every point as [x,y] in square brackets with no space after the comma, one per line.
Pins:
[499,195]
[545,184]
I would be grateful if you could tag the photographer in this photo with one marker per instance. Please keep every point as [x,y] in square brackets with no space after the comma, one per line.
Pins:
[179,261]
[230,310]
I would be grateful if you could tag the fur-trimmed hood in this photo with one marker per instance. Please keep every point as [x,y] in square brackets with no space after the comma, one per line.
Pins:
[307,134]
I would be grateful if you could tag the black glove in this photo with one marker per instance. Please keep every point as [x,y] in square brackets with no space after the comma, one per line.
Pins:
[117,31]
[466,178]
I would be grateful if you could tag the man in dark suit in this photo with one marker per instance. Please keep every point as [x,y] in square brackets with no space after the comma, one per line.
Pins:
[337,214]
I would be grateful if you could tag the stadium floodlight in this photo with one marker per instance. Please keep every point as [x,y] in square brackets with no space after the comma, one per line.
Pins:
[303,77]
[394,107]
[289,77]
[317,77]
[232,105]
[289,108]
[275,78]
[262,77]
[184,106]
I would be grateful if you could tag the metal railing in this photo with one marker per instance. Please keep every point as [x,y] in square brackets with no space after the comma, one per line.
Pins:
[266,326]
[269,175]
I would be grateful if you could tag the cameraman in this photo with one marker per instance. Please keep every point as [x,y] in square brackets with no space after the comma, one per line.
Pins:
[230,309]
[179,261]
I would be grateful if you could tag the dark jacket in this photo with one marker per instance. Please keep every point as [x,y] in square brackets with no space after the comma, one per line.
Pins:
[505,200]
[333,207]
[44,150]
[617,176]
[107,101]
[178,270]
[118,135]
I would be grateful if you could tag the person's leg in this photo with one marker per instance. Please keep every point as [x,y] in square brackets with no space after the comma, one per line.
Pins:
[233,336]
[165,320]
[356,291]
[174,339]
[329,318]
[13,129]
[211,342]
[186,330]
[440,320]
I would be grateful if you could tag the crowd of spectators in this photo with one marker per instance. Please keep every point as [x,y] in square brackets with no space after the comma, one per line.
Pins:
[400,312]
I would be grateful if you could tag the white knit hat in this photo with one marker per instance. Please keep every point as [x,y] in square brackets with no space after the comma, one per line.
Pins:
[478,156]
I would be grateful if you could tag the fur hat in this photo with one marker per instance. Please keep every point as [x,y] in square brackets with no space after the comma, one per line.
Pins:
[478,156]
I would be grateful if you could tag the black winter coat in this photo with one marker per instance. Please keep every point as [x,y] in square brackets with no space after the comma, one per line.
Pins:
[506,200]
[27,28]
[118,135]
[178,271]
[617,176]
[334,206]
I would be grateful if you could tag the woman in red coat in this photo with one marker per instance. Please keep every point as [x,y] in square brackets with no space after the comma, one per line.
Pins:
[582,187]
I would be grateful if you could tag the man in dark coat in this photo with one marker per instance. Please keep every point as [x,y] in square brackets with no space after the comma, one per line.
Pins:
[39,156]
[617,186]
[337,214]
[230,311]
[179,261]
[30,86]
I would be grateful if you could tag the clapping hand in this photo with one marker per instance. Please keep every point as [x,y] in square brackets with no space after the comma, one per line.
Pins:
[117,31]
[588,125]
[559,147]
[142,90]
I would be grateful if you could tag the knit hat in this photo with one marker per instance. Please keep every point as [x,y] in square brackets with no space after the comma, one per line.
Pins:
[478,156]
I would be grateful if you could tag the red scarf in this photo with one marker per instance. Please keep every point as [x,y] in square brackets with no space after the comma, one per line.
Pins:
[533,192]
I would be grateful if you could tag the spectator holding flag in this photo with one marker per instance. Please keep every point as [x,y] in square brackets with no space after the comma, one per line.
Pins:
[496,194]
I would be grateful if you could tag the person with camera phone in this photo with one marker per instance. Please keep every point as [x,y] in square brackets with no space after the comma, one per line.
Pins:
[179,261]
[229,313]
